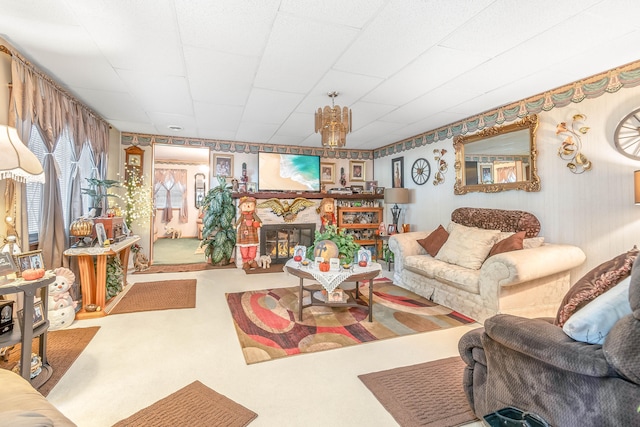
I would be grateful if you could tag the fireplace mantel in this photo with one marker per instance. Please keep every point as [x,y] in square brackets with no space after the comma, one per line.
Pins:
[307,195]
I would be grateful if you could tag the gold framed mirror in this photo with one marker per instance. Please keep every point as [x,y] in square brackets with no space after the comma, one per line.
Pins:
[498,159]
[200,189]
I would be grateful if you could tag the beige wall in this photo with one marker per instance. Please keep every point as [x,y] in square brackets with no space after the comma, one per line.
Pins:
[594,210]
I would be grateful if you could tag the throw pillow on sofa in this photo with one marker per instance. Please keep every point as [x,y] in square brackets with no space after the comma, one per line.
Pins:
[511,243]
[434,241]
[592,323]
[467,246]
[595,283]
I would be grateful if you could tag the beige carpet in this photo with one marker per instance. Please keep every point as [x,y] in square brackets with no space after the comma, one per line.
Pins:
[428,394]
[63,348]
[194,405]
[161,295]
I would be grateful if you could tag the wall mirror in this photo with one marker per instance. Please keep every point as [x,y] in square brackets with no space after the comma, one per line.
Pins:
[498,159]
[200,189]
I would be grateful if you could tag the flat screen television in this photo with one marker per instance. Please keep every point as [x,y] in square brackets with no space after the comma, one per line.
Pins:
[288,172]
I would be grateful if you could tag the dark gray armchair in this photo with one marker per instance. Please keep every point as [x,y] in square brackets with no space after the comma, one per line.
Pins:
[531,364]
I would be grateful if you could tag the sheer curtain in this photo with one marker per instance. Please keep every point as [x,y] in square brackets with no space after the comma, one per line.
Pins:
[37,100]
[172,181]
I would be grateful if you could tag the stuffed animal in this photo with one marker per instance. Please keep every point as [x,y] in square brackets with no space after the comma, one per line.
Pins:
[140,262]
[62,308]
[265,261]
[175,233]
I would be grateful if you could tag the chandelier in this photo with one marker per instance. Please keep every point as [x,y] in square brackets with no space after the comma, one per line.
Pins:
[333,124]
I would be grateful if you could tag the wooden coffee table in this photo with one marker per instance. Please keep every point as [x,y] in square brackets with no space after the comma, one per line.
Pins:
[352,296]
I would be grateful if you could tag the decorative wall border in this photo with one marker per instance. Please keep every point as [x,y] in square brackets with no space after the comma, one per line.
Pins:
[129,138]
[611,81]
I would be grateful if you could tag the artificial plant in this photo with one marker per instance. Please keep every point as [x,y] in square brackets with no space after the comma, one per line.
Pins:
[347,247]
[98,191]
[115,276]
[218,230]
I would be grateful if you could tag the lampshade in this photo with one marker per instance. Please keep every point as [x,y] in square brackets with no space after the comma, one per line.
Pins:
[17,161]
[636,186]
[396,195]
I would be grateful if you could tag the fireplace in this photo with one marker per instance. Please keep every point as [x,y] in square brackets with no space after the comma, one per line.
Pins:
[279,240]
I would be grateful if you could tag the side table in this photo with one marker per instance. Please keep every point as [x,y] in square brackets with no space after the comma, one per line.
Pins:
[352,301]
[25,334]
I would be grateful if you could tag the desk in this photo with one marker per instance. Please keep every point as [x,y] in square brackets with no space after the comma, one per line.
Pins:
[368,273]
[93,281]
[24,335]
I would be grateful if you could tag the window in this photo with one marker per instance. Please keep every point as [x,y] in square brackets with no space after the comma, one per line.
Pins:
[62,156]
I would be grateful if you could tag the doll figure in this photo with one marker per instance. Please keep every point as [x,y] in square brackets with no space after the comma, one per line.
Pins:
[327,214]
[247,232]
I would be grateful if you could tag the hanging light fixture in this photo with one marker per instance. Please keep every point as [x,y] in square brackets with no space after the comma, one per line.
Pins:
[333,124]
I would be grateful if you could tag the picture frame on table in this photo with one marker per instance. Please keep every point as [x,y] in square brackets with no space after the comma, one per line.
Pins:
[252,187]
[364,256]
[327,173]
[27,260]
[242,187]
[380,191]
[397,172]
[337,295]
[357,172]
[38,315]
[101,233]
[223,165]
[391,229]
[370,186]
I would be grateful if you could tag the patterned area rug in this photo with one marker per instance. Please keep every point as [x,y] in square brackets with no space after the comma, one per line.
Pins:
[194,405]
[63,348]
[273,268]
[162,295]
[428,395]
[267,328]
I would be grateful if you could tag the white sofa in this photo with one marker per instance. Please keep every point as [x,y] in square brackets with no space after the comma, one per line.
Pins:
[527,282]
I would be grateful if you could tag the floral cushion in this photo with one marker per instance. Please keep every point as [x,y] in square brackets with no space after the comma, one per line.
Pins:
[467,246]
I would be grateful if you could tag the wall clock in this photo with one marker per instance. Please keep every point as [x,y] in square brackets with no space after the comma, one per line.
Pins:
[627,135]
[420,171]
[134,159]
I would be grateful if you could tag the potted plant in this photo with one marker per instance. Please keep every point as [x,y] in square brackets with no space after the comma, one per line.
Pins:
[218,229]
[98,191]
[347,247]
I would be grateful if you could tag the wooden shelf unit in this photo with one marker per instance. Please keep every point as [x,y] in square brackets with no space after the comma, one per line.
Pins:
[359,221]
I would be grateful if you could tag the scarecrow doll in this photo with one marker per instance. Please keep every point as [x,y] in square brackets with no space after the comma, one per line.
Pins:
[327,215]
[247,238]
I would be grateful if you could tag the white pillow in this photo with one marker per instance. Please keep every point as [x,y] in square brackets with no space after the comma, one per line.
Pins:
[467,246]
[532,242]
[592,323]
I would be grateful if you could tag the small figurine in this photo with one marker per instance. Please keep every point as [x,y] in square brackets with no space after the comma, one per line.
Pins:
[327,214]
[247,232]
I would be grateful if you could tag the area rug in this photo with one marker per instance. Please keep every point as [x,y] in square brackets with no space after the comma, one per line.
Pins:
[273,268]
[181,268]
[194,405]
[63,348]
[267,326]
[428,395]
[161,295]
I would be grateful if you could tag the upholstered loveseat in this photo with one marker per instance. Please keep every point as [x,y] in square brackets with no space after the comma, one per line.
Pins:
[570,379]
[529,282]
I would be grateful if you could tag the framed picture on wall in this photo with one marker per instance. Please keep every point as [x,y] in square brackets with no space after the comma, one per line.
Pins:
[223,165]
[357,171]
[328,173]
[397,172]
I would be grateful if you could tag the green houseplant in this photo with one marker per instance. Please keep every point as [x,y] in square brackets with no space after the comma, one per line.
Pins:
[347,247]
[98,191]
[218,229]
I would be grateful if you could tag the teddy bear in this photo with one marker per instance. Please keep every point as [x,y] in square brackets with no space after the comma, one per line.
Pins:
[62,308]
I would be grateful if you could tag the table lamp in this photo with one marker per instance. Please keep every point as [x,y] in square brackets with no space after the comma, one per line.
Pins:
[396,196]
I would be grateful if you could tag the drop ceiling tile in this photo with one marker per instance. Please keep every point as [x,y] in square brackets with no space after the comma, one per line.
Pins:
[350,87]
[299,52]
[219,77]
[353,13]
[114,105]
[240,27]
[268,106]
[401,32]
[135,127]
[298,125]
[159,93]
[219,117]
[256,132]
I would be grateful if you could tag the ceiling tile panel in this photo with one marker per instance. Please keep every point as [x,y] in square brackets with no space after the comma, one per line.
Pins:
[300,52]
[218,117]
[159,93]
[268,106]
[114,105]
[239,26]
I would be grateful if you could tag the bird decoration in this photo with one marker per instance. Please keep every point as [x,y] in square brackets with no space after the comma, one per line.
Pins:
[289,212]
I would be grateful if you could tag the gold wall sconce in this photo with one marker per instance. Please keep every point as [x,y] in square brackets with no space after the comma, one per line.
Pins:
[441,166]
[572,144]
